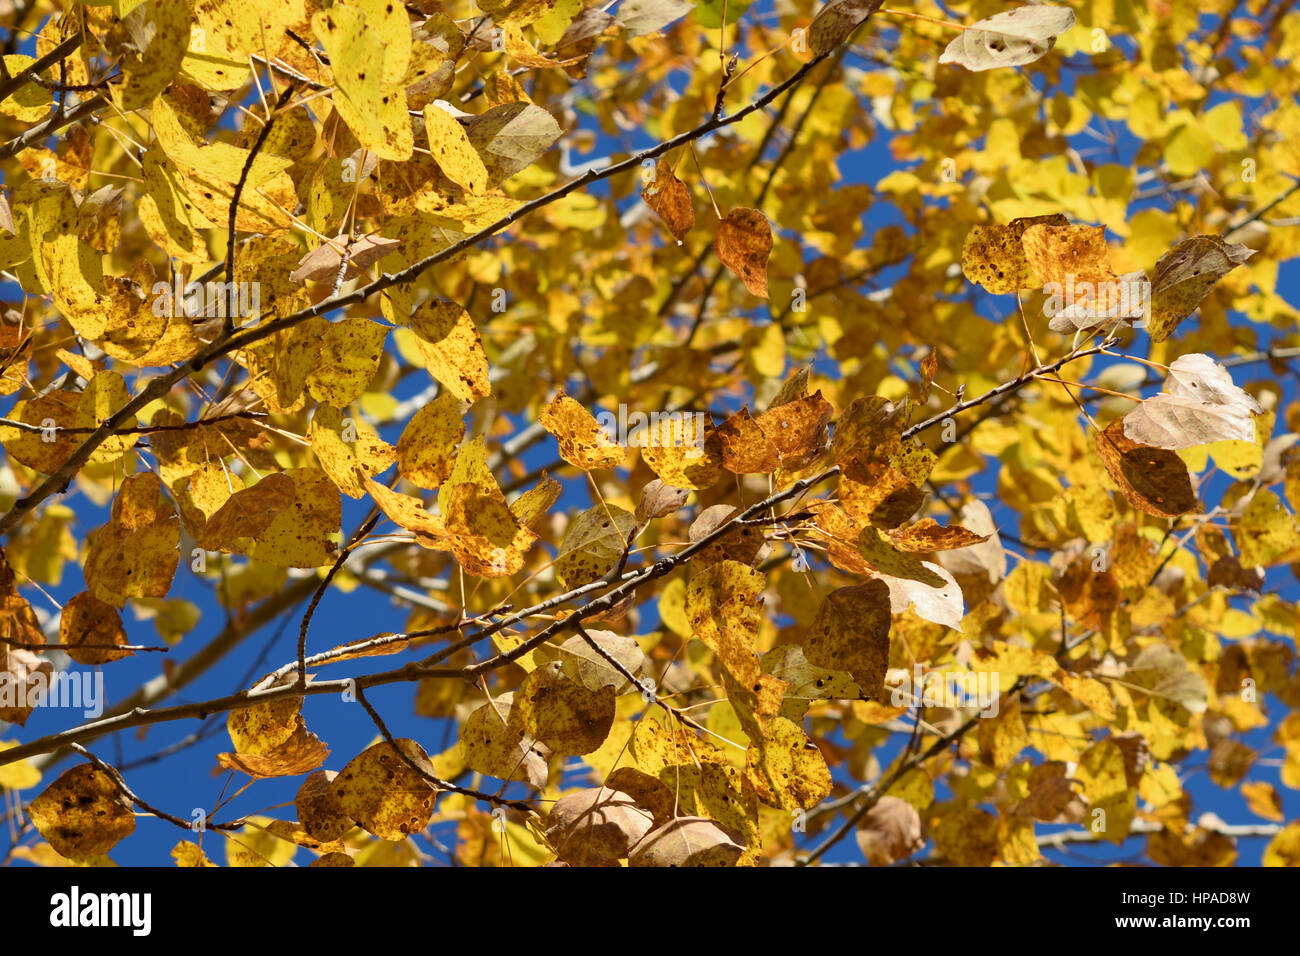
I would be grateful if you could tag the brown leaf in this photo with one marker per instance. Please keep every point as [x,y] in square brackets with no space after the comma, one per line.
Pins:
[1185,275]
[890,831]
[24,678]
[324,262]
[686,841]
[743,244]
[670,199]
[596,827]
[835,21]
[850,632]
[1154,480]
[659,500]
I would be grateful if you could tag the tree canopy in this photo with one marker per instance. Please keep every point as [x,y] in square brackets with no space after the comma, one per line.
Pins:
[781,431]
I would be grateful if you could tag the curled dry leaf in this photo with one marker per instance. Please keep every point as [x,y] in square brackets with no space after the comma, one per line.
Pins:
[659,500]
[1081,306]
[686,841]
[596,827]
[24,679]
[927,536]
[324,262]
[1185,275]
[1013,38]
[1200,405]
[743,543]
[890,831]
[835,21]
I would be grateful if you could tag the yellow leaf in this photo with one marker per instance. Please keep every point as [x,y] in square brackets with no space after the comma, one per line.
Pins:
[583,443]
[135,554]
[348,449]
[148,44]
[787,769]
[349,356]
[452,350]
[452,150]
[369,46]
[383,793]
[83,814]
[593,544]
[307,533]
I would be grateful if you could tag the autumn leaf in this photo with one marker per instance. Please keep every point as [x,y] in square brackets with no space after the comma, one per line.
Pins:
[851,633]
[583,443]
[743,244]
[452,350]
[135,554]
[670,200]
[836,20]
[1184,276]
[1154,480]
[1201,405]
[83,813]
[596,827]
[1013,38]
[383,794]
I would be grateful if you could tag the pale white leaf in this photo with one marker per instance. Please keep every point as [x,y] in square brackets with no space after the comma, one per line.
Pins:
[941,604]
[1013,38]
